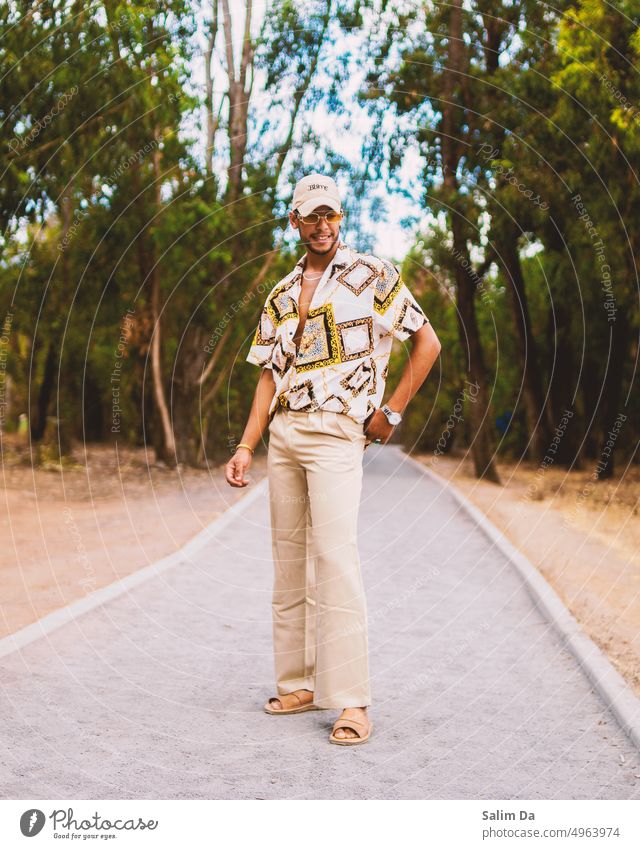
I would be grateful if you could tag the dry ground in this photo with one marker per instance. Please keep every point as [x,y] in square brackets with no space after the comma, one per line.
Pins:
[71,531]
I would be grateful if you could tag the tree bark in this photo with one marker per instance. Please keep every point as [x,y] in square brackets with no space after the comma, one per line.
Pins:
[620,338]
[537,413]
[212,120]
[452,119]
[169,447]
[562,381]
[38,423]
[238,98]
[185,397]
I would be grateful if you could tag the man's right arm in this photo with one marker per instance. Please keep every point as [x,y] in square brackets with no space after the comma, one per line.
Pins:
[256,425]
[259,415]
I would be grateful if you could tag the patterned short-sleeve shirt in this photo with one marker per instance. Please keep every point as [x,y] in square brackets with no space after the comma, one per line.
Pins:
[358,307]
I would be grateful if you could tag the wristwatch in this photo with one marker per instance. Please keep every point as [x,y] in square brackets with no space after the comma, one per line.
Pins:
[392,417]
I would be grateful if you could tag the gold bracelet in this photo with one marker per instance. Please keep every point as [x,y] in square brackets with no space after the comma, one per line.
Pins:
[244,445]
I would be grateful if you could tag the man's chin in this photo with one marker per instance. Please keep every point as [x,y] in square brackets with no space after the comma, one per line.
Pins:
[320,251]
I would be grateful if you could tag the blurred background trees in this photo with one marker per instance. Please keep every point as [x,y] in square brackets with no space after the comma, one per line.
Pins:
[149,153]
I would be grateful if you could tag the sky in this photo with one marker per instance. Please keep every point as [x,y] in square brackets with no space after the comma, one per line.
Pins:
[390,239]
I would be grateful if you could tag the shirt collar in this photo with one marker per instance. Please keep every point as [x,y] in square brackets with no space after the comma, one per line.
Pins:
[341,259]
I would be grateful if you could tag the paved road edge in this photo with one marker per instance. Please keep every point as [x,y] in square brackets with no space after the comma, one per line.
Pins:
[57,618]
[611,686]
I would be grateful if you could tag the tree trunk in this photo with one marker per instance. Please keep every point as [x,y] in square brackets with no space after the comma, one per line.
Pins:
[185,394]
[238,96]
[478,407]
[562,381]
[452,119]
[237,138]
[38,423]
[591,398]
[612,424]
[39,426]
[169,447]
[537,414]
[212,120]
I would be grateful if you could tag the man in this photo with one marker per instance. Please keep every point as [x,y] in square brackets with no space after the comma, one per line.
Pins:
[323,342]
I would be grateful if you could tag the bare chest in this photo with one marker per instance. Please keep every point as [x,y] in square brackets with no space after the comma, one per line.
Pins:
[306,295]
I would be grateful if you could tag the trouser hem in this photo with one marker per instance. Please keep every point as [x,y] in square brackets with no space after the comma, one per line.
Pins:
[328,704]
[292,686]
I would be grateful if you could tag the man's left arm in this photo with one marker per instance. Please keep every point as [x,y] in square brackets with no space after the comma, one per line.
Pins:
[425,348]
[424,352]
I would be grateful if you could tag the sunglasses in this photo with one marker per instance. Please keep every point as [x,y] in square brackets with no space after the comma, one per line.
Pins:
[330,217]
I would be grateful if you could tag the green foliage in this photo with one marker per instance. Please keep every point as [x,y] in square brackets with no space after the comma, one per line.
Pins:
[104,195]
[545,111]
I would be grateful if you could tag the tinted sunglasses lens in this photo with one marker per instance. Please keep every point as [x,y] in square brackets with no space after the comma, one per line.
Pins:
[314,217]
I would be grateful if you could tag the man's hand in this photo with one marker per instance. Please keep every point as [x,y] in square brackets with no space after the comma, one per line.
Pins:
[378,427]
[237,466]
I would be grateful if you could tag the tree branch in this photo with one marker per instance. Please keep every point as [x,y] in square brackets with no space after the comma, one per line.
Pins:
[212,123]
[228,41]
[247,46]
[298,97]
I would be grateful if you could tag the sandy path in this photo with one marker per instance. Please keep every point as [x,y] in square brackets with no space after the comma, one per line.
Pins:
[159,693]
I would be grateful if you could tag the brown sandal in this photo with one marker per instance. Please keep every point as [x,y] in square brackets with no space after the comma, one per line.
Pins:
[353,725]
[299,708]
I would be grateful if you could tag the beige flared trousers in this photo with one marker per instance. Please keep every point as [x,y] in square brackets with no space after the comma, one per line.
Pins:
[320,638]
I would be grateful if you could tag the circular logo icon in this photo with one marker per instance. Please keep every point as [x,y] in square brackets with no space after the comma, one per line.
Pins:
[32,822]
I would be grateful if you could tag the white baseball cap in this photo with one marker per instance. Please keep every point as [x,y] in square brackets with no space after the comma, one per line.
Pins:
[315,190]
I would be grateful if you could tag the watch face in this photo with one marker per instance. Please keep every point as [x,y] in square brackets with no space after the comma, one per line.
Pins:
[392,417]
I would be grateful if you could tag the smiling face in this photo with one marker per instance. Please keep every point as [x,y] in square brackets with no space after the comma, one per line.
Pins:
[320,238]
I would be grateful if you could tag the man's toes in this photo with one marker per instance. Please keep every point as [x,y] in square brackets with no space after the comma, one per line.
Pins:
[275,704]
[342,733]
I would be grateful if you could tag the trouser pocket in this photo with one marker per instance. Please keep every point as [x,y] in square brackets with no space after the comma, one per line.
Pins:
[349,428]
